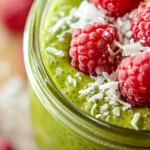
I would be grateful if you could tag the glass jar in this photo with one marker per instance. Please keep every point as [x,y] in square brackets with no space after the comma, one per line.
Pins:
[58,124]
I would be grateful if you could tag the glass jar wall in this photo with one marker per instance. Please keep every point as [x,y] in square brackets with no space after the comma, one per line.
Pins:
[58,124]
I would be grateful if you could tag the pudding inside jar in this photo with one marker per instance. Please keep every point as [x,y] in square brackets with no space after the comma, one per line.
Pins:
[98,95]
[80,97]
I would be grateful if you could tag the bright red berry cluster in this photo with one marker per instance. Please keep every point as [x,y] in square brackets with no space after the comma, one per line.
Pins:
[134,72]
[134,79]
[93,48]
[117,7]
[141,25]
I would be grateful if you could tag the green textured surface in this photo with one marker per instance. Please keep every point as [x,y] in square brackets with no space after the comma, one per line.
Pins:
[50,132]
[53,62]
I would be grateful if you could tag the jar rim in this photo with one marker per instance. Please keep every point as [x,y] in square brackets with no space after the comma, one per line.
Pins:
[40,81]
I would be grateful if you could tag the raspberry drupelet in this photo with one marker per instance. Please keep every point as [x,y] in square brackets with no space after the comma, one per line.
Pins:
[134,79]
[141,25]
[93,49]
[117,7]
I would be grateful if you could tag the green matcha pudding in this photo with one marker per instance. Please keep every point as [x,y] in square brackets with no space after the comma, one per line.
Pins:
[89,77]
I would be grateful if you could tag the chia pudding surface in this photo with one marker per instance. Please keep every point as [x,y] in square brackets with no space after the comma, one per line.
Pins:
[86,92]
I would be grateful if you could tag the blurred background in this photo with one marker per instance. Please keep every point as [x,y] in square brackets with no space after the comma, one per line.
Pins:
[15,122]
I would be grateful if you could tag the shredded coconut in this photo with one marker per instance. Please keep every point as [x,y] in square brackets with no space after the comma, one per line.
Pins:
[113,76]
[135,119]
[107,76]
[113,85]
[72,80]
[123,25]
[78,75]
[124,108]
[57,26]
[98,116]
[100,80]
[89,14]
[106,113]
[93,108]
[132,48]
[89,90]
[104,108]
[95,97]
[116,111]
[124,103]
[92,86]
[113,102]
[128,34]
[54,51]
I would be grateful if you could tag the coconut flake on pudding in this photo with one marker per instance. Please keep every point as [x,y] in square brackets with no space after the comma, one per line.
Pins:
[54,51]
[72,80]
[87,13]
[135,120]
[103,98]
[132,48]
[123,25]
[107,91]
[116,111]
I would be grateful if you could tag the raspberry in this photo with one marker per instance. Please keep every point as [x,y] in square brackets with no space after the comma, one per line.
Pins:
[134,79]
[141,25]
[15,12]
[93,48]
[117,7]
[5,144]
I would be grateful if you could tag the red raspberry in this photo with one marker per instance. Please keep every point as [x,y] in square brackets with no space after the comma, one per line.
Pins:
[92,48]
[117,7]
[5,144]
[15,12]
[141,25]
[134,79]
